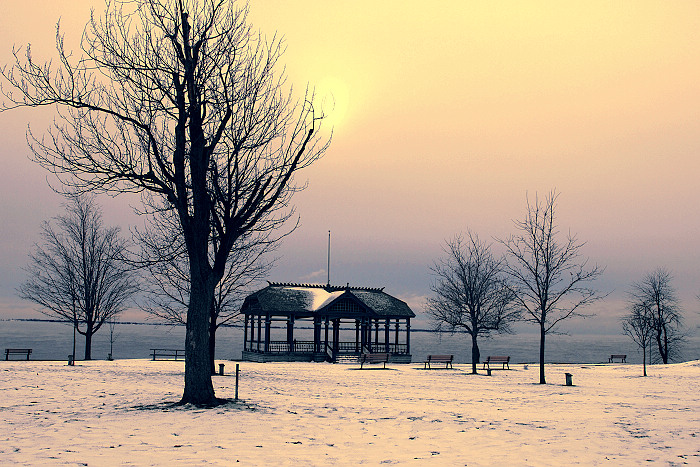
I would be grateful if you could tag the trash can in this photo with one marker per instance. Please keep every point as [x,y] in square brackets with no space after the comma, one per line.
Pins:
[221,369]
[71,360]
[568,379]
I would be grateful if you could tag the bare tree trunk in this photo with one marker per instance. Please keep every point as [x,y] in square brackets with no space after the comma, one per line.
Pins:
[542,337]
[476,355]
[75,329]
[662,344]
[644,359]
[199,389]
[88,341]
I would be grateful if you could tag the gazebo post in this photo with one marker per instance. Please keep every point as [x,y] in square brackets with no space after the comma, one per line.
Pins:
[290,333]
[368,333]
[386,335]
[396,335]
[357,335]
[376,332]
[267,333]
[317,334]
[363,333]
[245,332]
[252,332]
[259,330]
[326,337]
[336,336]
[408,336]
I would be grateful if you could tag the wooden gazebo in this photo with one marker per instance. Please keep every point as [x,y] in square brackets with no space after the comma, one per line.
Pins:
[294,322]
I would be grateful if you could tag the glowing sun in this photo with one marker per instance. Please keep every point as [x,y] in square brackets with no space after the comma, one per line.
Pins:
[333,96]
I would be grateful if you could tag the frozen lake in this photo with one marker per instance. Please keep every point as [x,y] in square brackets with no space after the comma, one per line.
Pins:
[53,341]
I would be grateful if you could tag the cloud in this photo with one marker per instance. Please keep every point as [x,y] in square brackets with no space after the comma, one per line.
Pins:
[321,273]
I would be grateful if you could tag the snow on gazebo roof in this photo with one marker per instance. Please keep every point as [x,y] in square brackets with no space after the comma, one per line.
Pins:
[299,299]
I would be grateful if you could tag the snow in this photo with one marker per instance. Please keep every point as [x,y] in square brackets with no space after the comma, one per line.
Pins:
[118,413]
[317,298]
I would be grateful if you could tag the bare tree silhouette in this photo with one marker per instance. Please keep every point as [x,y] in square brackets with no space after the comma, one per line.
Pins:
[639,326]
[549,276]
[471,294]
[78,272]
[177,100]
[658,298]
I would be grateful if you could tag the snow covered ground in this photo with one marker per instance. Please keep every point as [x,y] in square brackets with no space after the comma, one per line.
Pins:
[118,413]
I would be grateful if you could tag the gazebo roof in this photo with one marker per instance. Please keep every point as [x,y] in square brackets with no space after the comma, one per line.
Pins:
[310,299]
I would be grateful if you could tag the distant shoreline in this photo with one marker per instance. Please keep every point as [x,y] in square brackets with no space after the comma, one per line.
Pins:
[240,326]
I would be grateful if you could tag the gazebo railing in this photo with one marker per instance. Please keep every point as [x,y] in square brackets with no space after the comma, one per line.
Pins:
[286,347]
[281,347]
[393,348]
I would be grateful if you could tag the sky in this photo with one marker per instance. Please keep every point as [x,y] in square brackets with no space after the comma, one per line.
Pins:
[445,119]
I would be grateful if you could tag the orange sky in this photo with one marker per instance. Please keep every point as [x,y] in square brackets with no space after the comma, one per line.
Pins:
[445,117]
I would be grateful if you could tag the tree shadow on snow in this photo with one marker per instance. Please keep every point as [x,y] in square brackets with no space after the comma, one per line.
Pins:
[225,404]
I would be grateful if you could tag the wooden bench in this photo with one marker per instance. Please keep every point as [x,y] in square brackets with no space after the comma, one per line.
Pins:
[497,359]
[167,354]
[9,352]
[446,359]
[622,358]
[374,358]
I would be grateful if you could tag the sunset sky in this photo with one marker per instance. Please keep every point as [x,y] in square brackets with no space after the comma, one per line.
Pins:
[446,115]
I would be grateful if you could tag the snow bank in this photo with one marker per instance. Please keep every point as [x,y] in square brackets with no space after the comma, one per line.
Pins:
[118,413]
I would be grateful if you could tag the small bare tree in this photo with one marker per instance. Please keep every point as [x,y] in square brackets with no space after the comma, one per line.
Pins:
[77,273]
[656,294]
[639,326]
[470,292]
[549,276]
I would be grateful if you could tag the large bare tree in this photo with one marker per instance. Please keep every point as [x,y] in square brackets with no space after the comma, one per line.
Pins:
[178,100]
[78,272]
[471,294]
[166,288]
[549,276]
[657,296]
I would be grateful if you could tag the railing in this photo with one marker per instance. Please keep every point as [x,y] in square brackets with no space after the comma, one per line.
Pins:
[348,347]
[281,347]
[284,347]
[393,348]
